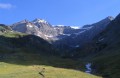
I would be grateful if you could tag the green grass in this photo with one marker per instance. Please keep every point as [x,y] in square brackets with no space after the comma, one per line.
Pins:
[108,63]
[20,71]
[13,34]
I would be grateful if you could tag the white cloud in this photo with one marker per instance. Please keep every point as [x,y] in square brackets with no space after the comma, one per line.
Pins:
[6,6]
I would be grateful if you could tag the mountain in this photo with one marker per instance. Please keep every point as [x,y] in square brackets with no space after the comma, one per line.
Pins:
[25,55]
[43,29]
[27,27]
[84,35]
[108,50]
[14,41]
[103,51]
[62,37]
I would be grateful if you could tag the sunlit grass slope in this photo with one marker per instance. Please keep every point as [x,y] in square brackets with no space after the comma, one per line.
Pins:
[32,71]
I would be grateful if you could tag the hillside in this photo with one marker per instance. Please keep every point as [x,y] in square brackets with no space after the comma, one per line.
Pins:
[84,35]
[23,55]
[104,51]
[108,60]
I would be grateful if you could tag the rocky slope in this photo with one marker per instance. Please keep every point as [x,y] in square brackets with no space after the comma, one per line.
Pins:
[42,28]
[84,35]
[61,35]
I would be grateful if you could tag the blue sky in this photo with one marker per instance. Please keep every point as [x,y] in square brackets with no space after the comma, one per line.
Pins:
[58,12]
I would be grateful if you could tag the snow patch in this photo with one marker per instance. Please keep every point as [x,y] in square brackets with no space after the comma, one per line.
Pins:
[43,21]
[79,32]
[49,36]
[101,39]
[87,28]
[40,21]
[75,27]
[29,26]
[67,34]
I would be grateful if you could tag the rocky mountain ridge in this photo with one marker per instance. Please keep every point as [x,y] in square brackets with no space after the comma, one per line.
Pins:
[45,30]
[41,28]
[84,35]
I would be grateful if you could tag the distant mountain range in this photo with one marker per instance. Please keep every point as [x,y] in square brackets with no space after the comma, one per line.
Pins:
[60,34]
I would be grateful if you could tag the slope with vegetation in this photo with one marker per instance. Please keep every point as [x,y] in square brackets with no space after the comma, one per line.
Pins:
[23,55]
[108,59]
[104,51]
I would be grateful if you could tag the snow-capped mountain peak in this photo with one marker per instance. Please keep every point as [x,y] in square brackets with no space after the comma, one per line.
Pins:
[39,21]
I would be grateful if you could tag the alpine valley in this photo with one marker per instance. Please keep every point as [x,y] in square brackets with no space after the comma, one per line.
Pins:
[89,51]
